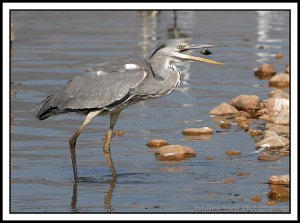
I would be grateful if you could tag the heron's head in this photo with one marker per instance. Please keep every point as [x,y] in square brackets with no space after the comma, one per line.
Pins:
[178,52]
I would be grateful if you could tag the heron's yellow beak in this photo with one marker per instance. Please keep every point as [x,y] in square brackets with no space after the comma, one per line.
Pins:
[201,59]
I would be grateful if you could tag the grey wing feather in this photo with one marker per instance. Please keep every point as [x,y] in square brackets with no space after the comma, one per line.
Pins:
[101,87]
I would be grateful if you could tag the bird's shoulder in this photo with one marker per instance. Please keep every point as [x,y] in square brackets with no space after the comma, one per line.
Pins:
[117,66]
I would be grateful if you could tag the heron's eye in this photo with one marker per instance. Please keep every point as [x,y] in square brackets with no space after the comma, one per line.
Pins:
[180,47]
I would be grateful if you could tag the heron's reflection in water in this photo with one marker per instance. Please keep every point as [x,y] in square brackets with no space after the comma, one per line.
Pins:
[107,197]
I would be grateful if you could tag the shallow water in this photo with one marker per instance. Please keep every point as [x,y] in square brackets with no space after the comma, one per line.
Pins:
[53,47]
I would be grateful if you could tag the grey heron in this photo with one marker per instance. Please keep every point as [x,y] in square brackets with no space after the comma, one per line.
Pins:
[112,86]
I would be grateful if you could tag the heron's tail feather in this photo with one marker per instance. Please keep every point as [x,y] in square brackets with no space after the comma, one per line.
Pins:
[43,110]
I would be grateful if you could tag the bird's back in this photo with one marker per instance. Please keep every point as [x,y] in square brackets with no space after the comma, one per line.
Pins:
[105,86]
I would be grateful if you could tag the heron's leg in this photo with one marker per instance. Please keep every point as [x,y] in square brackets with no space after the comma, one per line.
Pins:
[106,148]
[72,140]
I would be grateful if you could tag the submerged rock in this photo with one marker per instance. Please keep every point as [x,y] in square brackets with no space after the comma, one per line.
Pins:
[279,56]
[268,158]
[265,70]
[280,80]
[255,132]
[223,109]
[256,198]
[245,102]
[174,153]
[279,193]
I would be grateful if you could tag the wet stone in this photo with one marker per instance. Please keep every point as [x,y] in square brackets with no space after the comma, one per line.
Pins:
[265,70]
[280,179]
[281,80]
[273,142]
[268,158]
[279,193]
[156,143]
[209,158]
[233,153]
[198,131]
[245,102]
[223,109]
[225,125]
[174,153]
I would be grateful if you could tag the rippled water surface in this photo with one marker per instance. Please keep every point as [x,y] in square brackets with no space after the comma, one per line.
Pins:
[53,47]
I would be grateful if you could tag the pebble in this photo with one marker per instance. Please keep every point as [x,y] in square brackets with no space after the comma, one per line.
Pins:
[119,132]
[174,153]
[281,80]
[233,153]
[279,179]
[265,70]
[268,158]
[271,203]
[229,180]
[256,198]
[279,56]
[223,109]
[245,102]
[198,131]
[210,158]
[156,143]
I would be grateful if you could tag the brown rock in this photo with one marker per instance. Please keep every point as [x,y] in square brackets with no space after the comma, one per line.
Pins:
[279,56]
[240,119]
[156,143]
[267,118]
[280,179]
[287,69]
[279,193]
[225,125]
[209,158]
[243,174]
[233,153]
[265,70]
[245,102]
[243,114]
[256,198]
[278,93]
[197,137]
[223,109]
[277,128]
[280,80]
[273,142]
[229,180]
[283,118]
[198,131]
[268,158]
[243,125]
[271,203]
[255,132]
[174,153]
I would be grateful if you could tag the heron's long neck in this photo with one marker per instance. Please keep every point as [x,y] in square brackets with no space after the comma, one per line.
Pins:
[159,64]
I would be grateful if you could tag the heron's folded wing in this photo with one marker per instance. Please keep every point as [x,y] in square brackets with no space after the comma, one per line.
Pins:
[98,89]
